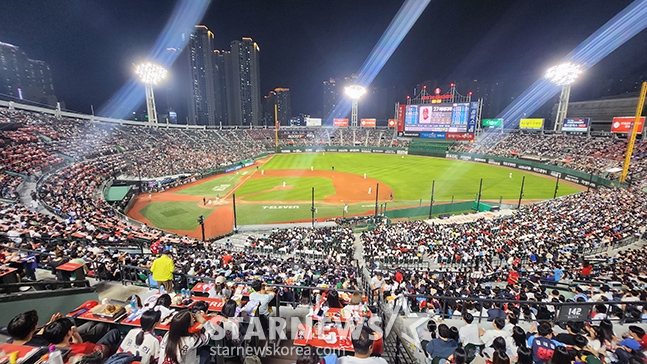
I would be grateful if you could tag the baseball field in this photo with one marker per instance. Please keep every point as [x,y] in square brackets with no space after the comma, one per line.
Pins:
[279,189]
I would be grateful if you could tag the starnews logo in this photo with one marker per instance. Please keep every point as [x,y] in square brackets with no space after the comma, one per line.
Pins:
[275,350]
[279,328]
[338,333]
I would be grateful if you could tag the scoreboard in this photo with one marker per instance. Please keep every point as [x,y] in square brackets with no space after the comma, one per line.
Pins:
[452,118]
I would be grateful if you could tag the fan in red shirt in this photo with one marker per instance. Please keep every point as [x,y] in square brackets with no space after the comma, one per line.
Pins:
[156,247]
[398,277]
[513,277]
[63,334]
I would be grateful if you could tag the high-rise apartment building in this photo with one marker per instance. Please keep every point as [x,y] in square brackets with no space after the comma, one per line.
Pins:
[220,85]
[223,86]
[202,101]
[333,92]
[243,83]
[25,78]
[280,97]
[330,96]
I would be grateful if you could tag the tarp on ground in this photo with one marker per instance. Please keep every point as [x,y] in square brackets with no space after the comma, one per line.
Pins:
[117,193]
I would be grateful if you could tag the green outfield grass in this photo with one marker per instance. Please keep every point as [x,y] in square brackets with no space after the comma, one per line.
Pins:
[251,214]
[175,215]
[409,178]
[297,189]
[217,186]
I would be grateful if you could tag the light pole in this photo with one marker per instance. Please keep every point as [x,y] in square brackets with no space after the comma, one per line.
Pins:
[151,74]
[354,92]
[563,75]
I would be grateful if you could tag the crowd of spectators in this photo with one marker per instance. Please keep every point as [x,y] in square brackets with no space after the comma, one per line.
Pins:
[546,239]
[587,154]
[8,186]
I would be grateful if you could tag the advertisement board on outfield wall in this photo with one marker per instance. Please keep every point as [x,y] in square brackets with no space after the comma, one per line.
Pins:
[393,123]
[313,121]
[536,167]
[408,134]
[433,135]
[368,123]
[624,124]
[386,150]
[533,124]
[339,122]
[459,136]
[577,125]
[492,123]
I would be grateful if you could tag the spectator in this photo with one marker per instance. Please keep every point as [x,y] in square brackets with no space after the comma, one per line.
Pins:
[363,346]
[470,332]
[22,329]
[63,334]
[263,296]
[142,343]
[488,336]
[183,346]
[443,346]
[542,345]
[162,269]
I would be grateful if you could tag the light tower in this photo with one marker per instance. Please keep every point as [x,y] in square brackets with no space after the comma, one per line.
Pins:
[151,74]
[563,75]
[354,92]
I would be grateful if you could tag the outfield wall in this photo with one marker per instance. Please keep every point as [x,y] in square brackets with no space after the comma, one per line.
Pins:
[320,149]
[580,178]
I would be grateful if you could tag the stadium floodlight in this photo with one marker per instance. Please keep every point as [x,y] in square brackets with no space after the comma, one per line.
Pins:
[151,74]
[354,92]
[563,75]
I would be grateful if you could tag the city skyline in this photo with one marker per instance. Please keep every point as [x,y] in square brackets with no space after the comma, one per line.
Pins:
[512,42]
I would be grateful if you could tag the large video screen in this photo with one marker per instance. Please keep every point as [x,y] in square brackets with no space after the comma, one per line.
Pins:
[453,118]
[578,125]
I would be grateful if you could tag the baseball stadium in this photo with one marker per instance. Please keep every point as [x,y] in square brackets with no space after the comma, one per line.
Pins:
[434,236]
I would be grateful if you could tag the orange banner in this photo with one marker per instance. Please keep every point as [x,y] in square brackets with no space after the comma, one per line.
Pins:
[340,122]
[368,123]
[393,123]
[623,125]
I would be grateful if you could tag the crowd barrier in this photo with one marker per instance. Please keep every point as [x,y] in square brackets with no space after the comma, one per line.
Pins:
[558,312]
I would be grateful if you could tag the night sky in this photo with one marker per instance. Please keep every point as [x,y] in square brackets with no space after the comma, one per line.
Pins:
[92,44]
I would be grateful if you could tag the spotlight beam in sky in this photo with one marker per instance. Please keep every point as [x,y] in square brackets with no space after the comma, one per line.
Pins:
[383,50]
[186,15]
[622,27]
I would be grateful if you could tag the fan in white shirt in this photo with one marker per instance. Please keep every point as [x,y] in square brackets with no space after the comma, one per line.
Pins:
[142,343]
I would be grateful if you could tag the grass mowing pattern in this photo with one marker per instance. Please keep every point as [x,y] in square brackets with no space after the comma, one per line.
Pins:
[217,186]
[410,177]
[175,215]
[297,189]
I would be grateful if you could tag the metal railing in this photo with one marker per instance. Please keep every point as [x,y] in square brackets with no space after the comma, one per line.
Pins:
[561,311]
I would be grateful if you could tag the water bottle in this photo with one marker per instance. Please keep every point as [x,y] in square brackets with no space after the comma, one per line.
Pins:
[133,304]
[54,356]
[162,289]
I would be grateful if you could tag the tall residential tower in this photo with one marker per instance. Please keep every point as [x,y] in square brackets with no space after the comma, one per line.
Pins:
[243,83]
[202,101]
[24,78]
